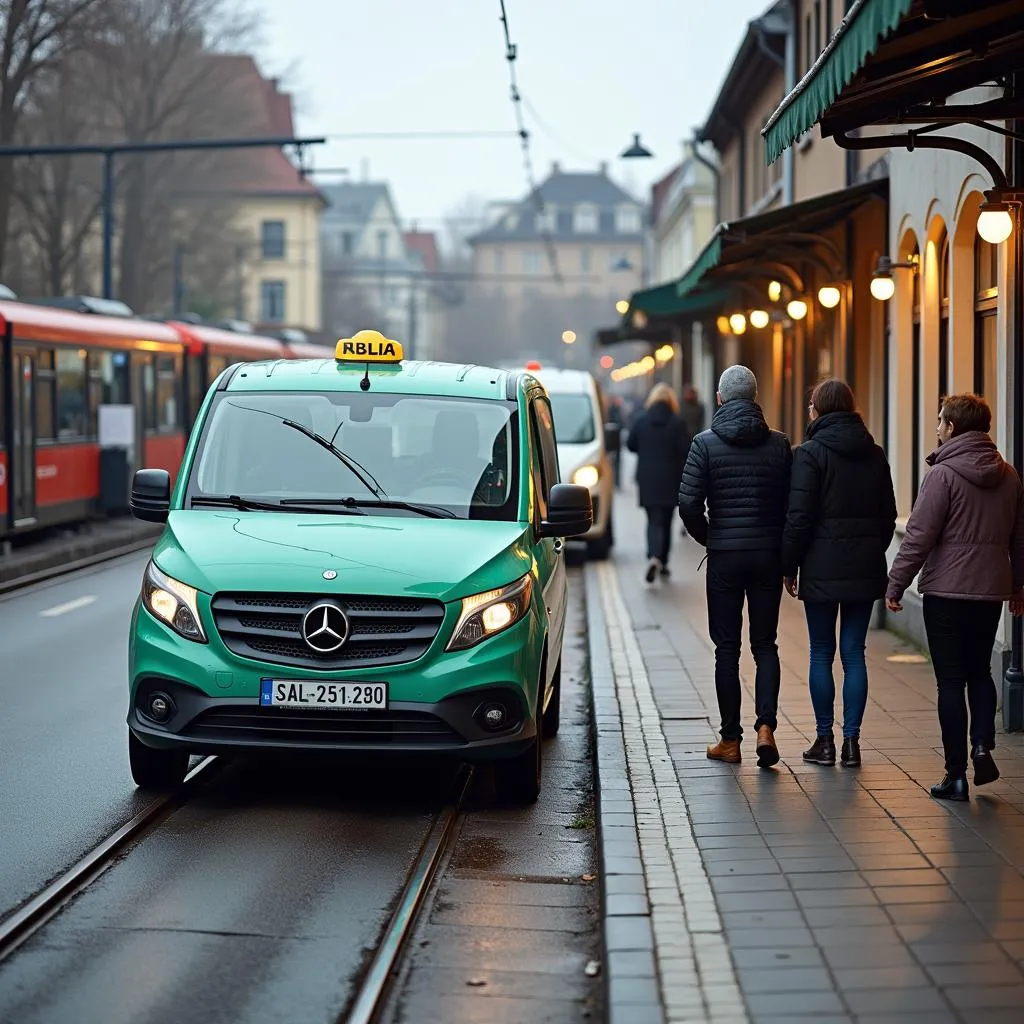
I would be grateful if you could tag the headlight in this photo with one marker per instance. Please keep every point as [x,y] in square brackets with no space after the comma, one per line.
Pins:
[485,615]
[586,476]
[172,602]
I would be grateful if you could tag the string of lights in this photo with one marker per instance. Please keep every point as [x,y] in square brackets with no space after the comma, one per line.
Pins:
[511,54]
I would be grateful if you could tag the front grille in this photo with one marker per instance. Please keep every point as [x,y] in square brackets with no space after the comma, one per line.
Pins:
[383,630]
[382,728]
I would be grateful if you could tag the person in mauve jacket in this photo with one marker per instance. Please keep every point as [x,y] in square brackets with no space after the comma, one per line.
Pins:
[661,442]
[738,471]
[965,536]
[841,519]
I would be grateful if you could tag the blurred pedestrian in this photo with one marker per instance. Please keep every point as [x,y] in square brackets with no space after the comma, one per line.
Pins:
[840,523]
[733,501]
[692,410]
[618,419]
[661,443]
[966,538]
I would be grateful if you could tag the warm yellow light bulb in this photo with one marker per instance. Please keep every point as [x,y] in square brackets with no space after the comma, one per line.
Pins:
[758,318]
[723,325]
[995,226]
[774,291]
[797,309]
[568,337]
[883,288]
[829,296]
[622,307]
[738,323]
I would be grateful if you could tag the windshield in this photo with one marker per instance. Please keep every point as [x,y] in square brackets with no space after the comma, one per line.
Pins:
[454,454]
[574,418]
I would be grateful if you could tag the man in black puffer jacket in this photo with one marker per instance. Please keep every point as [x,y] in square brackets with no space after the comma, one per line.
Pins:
[737,473]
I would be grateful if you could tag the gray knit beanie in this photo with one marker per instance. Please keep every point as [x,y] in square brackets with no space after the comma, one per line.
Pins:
[737,382]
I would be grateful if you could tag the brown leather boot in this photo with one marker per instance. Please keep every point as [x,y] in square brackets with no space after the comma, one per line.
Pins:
[725,750]
[767,751]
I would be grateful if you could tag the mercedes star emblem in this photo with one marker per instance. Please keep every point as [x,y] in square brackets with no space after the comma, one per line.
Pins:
[330,574]
[325,628]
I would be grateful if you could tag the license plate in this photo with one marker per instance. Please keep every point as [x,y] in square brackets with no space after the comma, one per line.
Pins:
[302,693]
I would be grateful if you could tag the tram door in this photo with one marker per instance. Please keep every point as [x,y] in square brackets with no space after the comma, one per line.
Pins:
[23,462]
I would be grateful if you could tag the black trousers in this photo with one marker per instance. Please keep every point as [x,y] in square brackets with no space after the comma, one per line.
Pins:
[659,531]
[756,577]
[961,635]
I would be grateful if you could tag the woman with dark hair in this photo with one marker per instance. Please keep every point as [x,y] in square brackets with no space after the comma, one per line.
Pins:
[965,537]
[840,522]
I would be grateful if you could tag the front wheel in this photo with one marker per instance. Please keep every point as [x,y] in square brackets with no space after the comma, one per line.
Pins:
[161,770]
[518,779]
[553,714]
[601,548]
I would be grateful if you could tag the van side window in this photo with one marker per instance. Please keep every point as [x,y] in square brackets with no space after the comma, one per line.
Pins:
[548,448]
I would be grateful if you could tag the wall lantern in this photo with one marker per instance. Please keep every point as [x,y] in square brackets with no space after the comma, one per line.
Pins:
[568,337]
[797,309]
[774,291]
[722,323]
[883,287]
[995,221]
[829,296]
[738,323]
[665,354]
[622,307]
[758,318]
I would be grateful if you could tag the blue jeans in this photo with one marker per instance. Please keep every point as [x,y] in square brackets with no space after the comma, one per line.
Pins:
[854,619]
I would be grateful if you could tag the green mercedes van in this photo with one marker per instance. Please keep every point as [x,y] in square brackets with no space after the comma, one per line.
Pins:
[359,553]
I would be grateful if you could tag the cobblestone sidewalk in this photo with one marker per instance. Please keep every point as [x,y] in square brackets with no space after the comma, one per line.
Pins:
[802,893]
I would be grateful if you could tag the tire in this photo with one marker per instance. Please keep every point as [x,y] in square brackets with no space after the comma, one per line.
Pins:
[552,716]
[161,770]
[518,780]
[601,548]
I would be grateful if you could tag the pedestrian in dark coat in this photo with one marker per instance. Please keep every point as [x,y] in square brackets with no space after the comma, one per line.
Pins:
[965,537]
[840,523]
[732,499]
[661,442]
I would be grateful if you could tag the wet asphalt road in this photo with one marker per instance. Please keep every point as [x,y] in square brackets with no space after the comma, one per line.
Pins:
[262,897]
[63,739]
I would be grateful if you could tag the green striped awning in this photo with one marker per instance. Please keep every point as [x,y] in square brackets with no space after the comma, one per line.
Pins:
[666,302]
[866,26]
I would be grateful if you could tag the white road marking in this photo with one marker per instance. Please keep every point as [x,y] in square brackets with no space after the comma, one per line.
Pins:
[68,606]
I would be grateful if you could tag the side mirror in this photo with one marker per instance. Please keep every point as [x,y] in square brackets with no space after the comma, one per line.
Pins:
[151,495]
[570,512]
[612,437]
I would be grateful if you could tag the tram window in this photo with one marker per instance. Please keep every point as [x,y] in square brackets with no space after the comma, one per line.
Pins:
[149,394]
[46,427]
[166,393]
[72,410]
[217,365]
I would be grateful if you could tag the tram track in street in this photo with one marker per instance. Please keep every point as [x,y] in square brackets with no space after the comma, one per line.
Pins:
[372,986]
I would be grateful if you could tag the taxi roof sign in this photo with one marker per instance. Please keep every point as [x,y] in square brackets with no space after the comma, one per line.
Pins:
[368,347]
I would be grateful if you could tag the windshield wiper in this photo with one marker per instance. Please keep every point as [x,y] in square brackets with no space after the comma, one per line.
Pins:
[365,476]
[292,505]
[432,511]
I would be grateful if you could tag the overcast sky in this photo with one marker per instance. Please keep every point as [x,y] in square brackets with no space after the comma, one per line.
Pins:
[591,72]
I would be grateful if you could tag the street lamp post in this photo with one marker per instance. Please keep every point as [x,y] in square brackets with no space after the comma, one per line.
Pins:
[108,152]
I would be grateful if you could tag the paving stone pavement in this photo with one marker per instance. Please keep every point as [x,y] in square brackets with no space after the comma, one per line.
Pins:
[800,893]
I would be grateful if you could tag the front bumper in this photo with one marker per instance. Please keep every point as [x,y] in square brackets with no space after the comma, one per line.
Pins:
[434,702]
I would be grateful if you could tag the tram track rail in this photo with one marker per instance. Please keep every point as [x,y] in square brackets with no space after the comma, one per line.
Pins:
[372,987]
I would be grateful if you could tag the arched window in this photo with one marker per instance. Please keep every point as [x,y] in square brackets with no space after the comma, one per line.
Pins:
[943,250]
[915,430]
[986,299]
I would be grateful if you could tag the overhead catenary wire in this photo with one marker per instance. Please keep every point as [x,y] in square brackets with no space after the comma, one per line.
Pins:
[511,53]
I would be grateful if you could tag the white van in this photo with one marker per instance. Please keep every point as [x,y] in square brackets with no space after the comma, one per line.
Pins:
[584,442]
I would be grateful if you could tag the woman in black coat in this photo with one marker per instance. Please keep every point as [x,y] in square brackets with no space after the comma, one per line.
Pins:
[841,518]
[661,441]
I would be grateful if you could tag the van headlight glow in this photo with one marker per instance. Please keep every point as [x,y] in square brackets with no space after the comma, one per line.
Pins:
[173,603]
[586,476]
[487,614]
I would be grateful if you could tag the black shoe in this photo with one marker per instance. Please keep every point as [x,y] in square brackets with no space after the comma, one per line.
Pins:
[985,770]
[652,571]
[951,788]
[851,752]
[664,571]
[823,751]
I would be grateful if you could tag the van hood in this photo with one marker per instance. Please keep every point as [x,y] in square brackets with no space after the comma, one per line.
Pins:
[572,456]
[225,550]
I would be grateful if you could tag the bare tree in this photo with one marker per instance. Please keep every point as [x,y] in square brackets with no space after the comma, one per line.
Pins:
[35,36]
[462,221]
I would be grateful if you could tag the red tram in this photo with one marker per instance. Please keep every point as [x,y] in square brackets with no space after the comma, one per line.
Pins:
[58,368]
